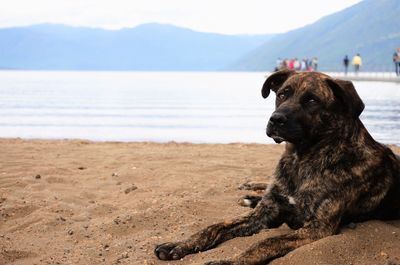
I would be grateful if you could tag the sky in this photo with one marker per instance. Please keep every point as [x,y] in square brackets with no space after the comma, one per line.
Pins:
[220,16]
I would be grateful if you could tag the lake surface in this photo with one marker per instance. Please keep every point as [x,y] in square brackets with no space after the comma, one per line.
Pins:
[200,107]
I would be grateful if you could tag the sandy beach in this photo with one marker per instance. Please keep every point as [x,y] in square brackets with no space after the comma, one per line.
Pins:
[82,202]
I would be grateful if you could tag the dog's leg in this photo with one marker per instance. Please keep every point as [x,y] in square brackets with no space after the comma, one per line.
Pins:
[275,247]
[254,186]
[266,215]
[250,201]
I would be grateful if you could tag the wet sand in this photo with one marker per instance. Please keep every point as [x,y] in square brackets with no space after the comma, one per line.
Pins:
[81,202]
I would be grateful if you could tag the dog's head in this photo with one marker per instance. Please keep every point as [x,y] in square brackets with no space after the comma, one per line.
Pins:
[309,105]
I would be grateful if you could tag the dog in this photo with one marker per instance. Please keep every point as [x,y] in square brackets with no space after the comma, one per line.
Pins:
[331,173]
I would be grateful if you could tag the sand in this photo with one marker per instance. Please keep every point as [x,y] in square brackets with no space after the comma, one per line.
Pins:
[81,202]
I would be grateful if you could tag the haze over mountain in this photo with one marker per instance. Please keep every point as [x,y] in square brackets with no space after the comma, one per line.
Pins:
[371,28]
[146,47]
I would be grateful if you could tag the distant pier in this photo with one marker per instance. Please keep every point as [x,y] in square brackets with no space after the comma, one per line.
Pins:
[364,76]
[367,76]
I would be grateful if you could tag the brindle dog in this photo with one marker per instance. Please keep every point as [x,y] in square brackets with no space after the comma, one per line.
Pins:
[332,173]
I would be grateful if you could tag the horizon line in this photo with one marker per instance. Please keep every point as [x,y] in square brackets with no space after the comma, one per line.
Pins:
[135,26]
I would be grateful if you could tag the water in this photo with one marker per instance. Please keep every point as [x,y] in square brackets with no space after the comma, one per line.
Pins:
[160,106]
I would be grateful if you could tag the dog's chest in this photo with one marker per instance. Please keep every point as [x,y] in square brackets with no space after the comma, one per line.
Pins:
[301,181]
[295,173]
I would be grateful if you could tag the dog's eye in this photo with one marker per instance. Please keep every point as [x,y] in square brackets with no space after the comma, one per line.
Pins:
[281,96]
[310,101]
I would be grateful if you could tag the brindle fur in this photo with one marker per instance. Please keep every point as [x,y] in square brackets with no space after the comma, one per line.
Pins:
[332,173]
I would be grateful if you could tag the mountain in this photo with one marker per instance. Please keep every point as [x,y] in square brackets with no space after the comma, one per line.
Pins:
[371,28]
[145,47]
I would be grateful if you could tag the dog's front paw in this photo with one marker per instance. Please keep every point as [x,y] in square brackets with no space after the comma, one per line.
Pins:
[170,251]
[219,262]
[249,201]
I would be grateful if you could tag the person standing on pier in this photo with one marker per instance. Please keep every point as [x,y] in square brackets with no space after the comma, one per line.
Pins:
[314,63]
[346,64]
[396,61]
[357,62]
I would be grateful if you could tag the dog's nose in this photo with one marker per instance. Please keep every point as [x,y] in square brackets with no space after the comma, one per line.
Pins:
[278,119]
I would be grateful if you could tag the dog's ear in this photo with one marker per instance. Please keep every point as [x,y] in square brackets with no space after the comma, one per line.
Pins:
[275,81]
[347,95]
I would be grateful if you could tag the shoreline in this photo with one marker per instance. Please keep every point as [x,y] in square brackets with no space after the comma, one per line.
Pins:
[148,142]
[85,202]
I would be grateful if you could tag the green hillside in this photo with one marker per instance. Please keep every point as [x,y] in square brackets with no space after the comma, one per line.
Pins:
[371,28]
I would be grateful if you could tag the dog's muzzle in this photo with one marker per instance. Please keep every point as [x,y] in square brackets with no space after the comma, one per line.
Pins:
[276,122]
